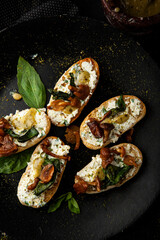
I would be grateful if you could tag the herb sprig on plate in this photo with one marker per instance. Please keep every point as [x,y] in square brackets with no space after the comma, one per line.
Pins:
[15,162]
[67,197]
[30,85]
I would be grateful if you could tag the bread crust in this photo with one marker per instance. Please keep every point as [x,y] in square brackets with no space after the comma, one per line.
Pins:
[137,153]
[49,193]
[96,68]
[93,114]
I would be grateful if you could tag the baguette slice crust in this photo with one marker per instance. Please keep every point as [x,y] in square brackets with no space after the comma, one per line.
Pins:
[43,126]
[91,69]
[135,111]
[130,150]
[27,197]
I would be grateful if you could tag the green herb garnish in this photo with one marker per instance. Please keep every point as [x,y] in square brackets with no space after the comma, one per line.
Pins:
[30,85]
[54,161]
[104,110]
[73,206]
[121,106]
[59,94]
[15,162]
[27,136]
[72,80]
[41,187]
[67,197]
[114,174]
[66,122]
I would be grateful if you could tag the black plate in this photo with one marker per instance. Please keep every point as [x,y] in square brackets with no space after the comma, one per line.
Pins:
[125,68]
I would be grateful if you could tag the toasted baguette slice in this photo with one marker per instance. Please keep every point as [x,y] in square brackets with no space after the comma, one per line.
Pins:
[84,72]
[94,169]
[122,121]
[33,171]
[23,121]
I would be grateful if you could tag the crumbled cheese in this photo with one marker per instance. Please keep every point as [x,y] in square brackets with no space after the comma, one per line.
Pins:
[28,196]
[58,148]
[87,66]
[60,117]
[133,105]
[25,119]
[89,172]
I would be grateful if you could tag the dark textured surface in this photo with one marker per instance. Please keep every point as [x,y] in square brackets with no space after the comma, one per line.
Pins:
[18,11]
[125,68]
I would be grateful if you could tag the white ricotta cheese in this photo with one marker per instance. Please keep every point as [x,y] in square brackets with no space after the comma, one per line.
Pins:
[28,196]
[60,117]
[135,106]
[87,66]
[25,119]
[89,172]
[133,109]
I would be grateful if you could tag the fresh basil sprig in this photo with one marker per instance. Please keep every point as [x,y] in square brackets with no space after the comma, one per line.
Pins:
[15,162]
[30,85]
[73,206]
[67,197]
[27,136]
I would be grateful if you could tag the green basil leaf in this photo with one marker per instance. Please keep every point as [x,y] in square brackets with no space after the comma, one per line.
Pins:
[30,85]
[72,80]
[114,174]
[27,136]
[56,204]
[15,162]
[57,165]
[73,206]
[121,104]
[122,172]
[54,161]
[69,196]
[59,94]
[41,187]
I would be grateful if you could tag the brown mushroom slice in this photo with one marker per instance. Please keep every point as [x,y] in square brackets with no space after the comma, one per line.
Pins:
[47,173]
[7,146]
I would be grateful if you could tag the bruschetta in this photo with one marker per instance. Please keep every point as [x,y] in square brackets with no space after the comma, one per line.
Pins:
[105,124]
[111,168]
[22,130]
[72,92]
[43,174]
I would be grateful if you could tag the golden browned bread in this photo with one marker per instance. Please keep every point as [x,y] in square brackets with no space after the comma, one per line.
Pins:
[126,160]
[118,120]
[84,73]
[33,171]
